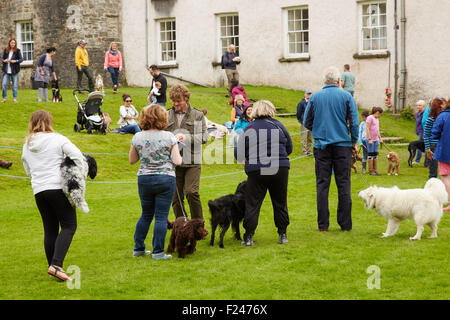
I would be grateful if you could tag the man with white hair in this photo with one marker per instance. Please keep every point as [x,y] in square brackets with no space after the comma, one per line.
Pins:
[332,116]
[229,61]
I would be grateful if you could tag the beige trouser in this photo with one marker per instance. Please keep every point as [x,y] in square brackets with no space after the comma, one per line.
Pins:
[231,74]
[306,140]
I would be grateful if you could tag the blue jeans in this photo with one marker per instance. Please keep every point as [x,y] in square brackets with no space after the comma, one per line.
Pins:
[372,148]
[131,128]
[15,84]
[114,75]
[419,153]
[156,194]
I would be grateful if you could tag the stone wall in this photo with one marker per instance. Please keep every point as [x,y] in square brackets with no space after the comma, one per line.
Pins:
[62,24]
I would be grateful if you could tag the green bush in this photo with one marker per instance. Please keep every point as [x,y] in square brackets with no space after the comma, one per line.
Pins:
[408,114]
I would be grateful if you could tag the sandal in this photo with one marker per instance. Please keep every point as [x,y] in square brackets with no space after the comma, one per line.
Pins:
[59,273]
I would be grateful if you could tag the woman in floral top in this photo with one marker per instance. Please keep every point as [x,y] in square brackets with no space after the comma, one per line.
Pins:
[158,153]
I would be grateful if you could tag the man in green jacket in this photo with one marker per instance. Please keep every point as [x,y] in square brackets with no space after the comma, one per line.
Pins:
[189,126]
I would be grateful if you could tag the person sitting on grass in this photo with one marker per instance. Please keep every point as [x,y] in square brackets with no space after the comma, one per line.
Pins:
[215,130]
[240,125]
[236,89]
[238,109]
[128,117]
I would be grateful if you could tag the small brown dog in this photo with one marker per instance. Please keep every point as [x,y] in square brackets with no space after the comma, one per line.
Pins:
[393,163]
[355,157]
[183,232]
[108,120]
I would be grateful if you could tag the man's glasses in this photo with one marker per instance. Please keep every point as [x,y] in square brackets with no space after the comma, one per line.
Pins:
[128,100]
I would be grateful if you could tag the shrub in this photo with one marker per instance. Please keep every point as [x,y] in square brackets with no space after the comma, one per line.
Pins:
[408,114]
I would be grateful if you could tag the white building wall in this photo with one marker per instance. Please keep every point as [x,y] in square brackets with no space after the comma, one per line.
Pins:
[334,39]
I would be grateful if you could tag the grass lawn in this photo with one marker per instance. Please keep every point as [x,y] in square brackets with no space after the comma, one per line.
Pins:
[312,265]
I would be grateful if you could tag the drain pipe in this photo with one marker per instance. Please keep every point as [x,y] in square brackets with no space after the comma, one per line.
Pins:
[396,76]
[146,34]
[403,71]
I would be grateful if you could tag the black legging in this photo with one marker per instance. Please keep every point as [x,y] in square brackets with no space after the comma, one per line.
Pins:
[56,210]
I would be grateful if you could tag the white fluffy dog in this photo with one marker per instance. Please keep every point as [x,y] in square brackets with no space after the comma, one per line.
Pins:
[423,205]
[99,84]
[74,180]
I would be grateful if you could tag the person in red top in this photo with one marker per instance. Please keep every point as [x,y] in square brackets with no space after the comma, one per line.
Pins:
[237,89]
[113,63]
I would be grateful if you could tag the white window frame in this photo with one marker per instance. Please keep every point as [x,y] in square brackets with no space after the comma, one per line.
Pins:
[161,41]
[220,51]
[21,42]
[285,38]
[361,32]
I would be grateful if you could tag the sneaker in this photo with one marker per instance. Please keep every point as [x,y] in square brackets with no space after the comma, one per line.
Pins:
[283,239]
[140,253]
[416,163]
[363,170]
[161,256]
[248,241]
[115,131]
[323,230]
[122,132]
[375,174]
[447,208]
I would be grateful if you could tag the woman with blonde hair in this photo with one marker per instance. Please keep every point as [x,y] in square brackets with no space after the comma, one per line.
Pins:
[113,63]
[158,153]
[264,146]
[43,153]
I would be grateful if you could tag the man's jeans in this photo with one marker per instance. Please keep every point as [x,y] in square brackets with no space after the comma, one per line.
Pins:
[156,194]
[15,84]
[88,74]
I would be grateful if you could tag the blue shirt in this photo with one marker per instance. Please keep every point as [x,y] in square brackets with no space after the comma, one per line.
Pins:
[332,116]
[441,132]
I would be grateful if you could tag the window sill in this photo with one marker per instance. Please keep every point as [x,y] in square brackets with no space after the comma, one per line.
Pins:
[372,55]
[298,59]
[28,64]
[167,66]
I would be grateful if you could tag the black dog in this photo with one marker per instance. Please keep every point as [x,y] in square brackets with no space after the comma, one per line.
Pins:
[412,148]
[228,209]
[56,93]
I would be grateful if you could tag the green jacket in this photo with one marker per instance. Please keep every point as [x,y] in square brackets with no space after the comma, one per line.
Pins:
[193,126]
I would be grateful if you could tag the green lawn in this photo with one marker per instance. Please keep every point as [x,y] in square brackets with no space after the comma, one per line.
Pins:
[312,265]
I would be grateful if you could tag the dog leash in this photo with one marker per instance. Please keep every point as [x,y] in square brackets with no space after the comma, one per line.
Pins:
[182,206]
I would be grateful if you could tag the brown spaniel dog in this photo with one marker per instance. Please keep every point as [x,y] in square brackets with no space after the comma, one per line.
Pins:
[183,232]
[393,163]
[355,157]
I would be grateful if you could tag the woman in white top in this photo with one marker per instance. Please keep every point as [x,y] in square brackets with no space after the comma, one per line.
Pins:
[43,153]
[128,117]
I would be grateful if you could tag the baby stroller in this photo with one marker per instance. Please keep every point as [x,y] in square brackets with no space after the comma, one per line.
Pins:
[90,115]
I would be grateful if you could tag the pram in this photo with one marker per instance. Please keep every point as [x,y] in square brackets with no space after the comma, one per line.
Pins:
[90,115]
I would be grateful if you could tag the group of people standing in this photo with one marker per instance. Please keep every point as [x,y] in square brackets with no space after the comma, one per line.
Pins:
[45,68]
